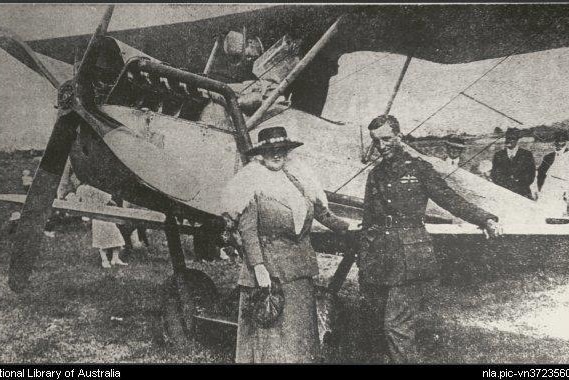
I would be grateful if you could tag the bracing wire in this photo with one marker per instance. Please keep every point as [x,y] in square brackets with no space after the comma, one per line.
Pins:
[502,60]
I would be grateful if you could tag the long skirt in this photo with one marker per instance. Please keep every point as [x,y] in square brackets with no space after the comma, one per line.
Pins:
[293,339]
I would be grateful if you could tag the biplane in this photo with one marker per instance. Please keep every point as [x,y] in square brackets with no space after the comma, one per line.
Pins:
[161,117]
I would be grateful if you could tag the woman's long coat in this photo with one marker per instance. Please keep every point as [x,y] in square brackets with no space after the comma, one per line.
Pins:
[269,237]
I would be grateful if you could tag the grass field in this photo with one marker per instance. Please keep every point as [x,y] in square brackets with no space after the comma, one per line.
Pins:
[78,312]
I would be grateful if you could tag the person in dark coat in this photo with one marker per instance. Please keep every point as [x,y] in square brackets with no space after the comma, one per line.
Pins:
[275,199]
[514,168]
[560,144]
[396,260]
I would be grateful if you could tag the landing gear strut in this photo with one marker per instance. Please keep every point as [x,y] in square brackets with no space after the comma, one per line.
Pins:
[184,294]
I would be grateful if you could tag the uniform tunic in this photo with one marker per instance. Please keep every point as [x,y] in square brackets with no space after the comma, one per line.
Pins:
[396,254]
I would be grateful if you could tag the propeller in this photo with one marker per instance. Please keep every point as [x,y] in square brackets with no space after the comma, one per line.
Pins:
[77,105]
[37,209]
[27,238]
[16,47]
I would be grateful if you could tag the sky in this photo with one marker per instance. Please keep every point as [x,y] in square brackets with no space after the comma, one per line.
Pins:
[57,20]
[532,88]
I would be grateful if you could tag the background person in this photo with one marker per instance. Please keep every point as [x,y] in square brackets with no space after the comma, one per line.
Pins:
[553,177]
[513,167]
[106,235]
[455,146]
[561,149]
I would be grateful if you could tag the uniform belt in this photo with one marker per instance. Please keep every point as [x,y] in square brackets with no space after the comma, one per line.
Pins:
[391,221]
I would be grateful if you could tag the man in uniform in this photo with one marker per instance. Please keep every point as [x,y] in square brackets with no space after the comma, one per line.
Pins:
[514,168]
[396,258]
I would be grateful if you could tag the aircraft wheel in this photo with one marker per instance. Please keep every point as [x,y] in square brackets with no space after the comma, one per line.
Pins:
[183,297]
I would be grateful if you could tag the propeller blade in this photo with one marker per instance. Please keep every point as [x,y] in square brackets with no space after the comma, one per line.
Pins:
[90,55]
[27,239]
[18,49]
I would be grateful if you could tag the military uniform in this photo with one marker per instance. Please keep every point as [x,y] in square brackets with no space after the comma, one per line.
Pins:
[397,258]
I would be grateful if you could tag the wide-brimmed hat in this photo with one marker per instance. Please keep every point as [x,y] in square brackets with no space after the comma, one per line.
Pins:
[512,133]
[455,142]
[273,138]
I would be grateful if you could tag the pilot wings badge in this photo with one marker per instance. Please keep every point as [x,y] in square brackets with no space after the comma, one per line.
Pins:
[408,179]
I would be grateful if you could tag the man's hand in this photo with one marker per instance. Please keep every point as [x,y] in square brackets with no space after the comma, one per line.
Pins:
[262,276]
[492,229]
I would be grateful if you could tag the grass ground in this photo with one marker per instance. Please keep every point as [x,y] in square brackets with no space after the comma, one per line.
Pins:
[78,312]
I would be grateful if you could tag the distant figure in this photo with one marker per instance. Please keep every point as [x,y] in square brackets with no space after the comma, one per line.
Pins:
[134,235]
[561,149]
[553,177]
[106,235]
[514,168]
[454,148]
[27,180]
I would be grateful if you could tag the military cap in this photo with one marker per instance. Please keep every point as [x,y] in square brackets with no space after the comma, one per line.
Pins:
[512,133]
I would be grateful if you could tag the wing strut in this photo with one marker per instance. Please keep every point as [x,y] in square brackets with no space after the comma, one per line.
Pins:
[318,46]
[213,55]
[367,157]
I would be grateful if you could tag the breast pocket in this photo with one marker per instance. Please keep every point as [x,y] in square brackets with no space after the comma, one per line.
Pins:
[420,260]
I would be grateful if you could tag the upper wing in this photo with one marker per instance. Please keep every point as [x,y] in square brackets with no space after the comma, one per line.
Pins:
[442,33]
[445,33]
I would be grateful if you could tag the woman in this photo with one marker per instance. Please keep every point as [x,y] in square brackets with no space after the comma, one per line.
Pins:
[106,235]
[275,200]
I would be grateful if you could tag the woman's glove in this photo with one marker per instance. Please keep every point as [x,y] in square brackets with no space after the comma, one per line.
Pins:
[262,276]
